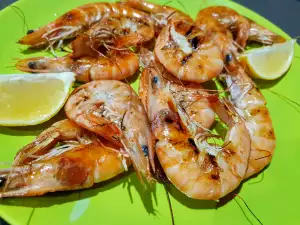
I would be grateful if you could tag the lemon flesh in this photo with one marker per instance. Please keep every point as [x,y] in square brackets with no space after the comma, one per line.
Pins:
[30,99]
[270,62]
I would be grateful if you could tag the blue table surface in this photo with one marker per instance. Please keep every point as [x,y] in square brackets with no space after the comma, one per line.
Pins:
[285,14]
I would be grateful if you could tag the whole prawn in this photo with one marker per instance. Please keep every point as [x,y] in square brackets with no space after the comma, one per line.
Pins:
[79,20]
[113,110]
[80,160]
[198,169]
[116,65]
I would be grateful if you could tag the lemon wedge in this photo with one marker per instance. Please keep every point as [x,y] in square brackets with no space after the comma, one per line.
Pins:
[270,62]
[30,99]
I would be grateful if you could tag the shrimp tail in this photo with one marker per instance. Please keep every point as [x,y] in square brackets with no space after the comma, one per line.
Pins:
[262,35]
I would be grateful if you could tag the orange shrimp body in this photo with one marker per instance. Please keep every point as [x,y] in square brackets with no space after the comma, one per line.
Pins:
[75,167]
[118,65]
[78,20]
[188,53]
[63,157]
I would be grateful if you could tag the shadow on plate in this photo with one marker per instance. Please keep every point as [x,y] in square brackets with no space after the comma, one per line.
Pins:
[128,180]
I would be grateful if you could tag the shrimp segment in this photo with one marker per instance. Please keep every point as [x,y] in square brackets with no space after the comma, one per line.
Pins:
[188,53]
[119,66]
[78,20]
[72,168]
[113,110]
[198,169]
[251,106]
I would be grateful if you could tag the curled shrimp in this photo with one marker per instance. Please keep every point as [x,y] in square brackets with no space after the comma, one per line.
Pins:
[117,65]
[196,167]
[78,20]
[251,106]
[63,157]
[188,53]
[113,110]
[241,27]
[161,15]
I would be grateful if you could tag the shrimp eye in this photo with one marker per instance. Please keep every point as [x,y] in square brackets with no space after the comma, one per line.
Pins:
[155,80]
[145,150]
[30,31]
[2,181]
[228,58]
[192,142]
[194,42]
[32,65]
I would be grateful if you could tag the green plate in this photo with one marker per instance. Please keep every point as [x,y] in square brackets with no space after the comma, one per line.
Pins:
[272,195]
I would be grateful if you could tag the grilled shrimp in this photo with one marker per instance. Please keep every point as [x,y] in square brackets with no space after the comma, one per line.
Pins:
[63,157]
[198,169]
[161,15]
[79,20]
[68,167]
[251,106]
[188,53]
[241,27]
[118,65]
[113,110]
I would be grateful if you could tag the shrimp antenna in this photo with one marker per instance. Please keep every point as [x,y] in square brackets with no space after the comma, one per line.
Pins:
[290,102]
[168,2]
[21,15]
[169,203]
[182,5]
[247,208]
[261,179]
